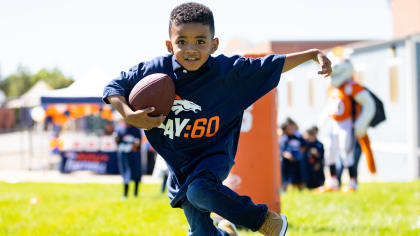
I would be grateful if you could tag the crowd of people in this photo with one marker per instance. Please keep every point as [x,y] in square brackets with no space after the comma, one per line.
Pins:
[302,158]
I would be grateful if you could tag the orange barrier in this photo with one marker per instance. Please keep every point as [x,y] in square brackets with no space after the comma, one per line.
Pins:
[256,172]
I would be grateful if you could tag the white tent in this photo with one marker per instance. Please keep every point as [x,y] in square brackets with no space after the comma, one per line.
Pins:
[31,98]
[86,89]
[2,97]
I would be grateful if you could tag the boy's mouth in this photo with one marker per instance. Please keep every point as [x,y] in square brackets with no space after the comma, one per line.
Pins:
[192,59]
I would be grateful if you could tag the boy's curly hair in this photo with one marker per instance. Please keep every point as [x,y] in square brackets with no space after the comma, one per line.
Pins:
[192,13]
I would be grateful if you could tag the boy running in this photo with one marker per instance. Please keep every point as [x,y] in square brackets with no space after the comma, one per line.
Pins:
[199,144]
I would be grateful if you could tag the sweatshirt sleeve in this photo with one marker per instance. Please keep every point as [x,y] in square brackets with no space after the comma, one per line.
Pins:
[255,77]
[124,83]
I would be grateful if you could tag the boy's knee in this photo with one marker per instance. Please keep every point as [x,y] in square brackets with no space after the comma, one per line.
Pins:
[199,194]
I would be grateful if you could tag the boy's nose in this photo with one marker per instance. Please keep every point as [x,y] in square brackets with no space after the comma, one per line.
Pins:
[190,47]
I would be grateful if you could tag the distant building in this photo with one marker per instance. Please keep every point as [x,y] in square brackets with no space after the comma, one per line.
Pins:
[406,17]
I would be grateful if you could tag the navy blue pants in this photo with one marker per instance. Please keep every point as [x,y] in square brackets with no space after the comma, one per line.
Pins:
[129,165]
[206,194]
[293,172]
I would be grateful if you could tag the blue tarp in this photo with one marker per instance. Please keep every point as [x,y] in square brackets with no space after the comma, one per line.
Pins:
[72,100]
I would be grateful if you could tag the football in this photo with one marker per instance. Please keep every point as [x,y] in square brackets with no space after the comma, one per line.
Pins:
[155,90]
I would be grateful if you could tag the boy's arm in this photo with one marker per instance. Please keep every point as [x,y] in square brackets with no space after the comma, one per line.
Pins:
[294,59]
[140,118]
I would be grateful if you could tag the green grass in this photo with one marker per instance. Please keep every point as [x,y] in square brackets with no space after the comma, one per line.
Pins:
[96,209]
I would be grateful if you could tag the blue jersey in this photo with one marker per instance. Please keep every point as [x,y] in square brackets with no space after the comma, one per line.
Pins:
[128,136]
[201,132]
[292,144]
[315,164]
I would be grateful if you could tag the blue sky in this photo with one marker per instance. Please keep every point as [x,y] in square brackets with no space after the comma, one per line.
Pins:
[77,35]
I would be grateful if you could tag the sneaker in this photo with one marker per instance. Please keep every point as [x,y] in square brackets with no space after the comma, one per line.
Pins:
[350,187]
[330,185]
[326,189]
[274,224]
[229,227]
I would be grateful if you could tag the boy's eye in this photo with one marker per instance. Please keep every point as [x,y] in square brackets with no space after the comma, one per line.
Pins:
[182,42]
[200,41]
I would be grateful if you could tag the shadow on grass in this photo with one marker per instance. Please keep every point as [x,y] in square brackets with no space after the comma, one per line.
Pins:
[340,229]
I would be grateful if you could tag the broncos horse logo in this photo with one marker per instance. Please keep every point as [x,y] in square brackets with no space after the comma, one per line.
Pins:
[184,105]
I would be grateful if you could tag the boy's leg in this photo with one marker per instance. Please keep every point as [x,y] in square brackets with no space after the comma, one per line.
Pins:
[124,171]
[200,222]
[285,173]
[126,190]
[303,172]
[207,194]
[164,181]
[136,188]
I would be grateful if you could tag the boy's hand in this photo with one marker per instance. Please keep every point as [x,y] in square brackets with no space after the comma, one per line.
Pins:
[297,58]
[314,152]
[324,62]
[288,156]
[141,119]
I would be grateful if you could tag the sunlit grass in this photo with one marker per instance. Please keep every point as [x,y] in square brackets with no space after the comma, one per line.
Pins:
[96,209]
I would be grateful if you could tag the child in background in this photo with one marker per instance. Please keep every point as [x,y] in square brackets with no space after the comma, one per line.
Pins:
[314,159]
[299,136]
[292,159]
[161,171]
[128,140]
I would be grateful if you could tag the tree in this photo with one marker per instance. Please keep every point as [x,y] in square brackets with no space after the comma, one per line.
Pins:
[18,83]
[55,78]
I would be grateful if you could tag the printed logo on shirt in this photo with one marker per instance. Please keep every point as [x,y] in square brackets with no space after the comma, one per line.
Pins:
[184,105]
[294,143]
[179,127]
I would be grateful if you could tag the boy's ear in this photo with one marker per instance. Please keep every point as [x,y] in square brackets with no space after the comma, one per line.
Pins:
[214,45]
[169,47]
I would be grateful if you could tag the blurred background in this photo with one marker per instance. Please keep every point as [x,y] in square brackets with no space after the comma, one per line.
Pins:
[56,57]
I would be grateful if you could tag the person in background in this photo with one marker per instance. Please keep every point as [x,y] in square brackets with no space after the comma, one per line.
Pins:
[340,167]
[351,108]
[128,139]
[292,159]
[108,128]
[161,170]
[314,158]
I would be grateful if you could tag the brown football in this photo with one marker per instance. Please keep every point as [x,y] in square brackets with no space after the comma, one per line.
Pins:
[155,90]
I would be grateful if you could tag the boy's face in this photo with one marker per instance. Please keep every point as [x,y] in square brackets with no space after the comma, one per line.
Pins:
[191,43]
[311,137]
[289,130]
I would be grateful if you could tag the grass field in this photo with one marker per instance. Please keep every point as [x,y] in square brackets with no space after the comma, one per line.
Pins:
[96,209]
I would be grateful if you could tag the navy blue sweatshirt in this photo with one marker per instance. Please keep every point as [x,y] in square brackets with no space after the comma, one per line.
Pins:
[204,124]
